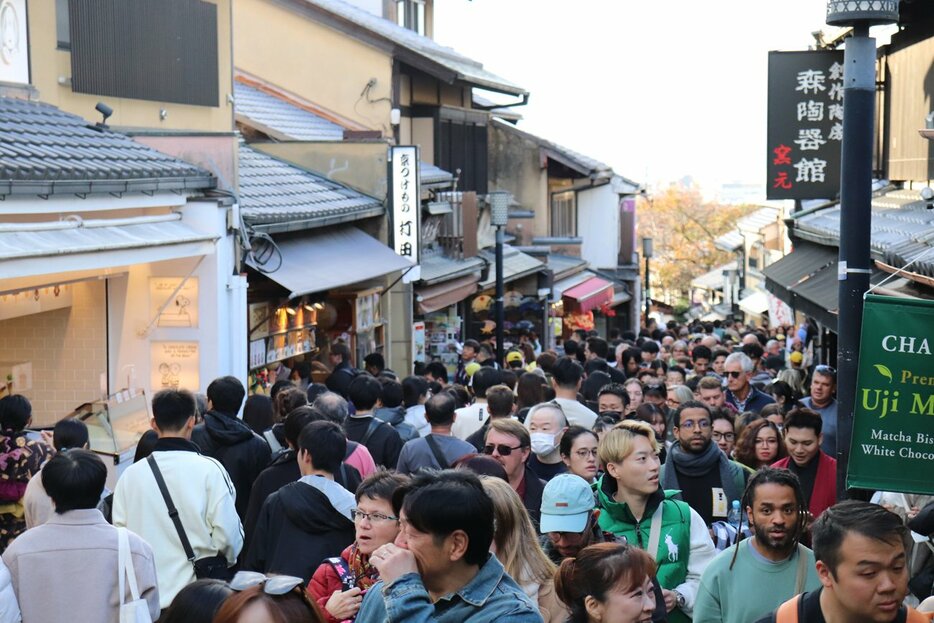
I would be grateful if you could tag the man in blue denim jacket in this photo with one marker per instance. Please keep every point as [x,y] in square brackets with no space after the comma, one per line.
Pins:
[440,569]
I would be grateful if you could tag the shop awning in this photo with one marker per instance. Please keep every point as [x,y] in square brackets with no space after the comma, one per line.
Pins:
[590,294]
[755,304]
[805,260]
[439,268]
[433,298]
[75,245]
[330,259]
[560,287]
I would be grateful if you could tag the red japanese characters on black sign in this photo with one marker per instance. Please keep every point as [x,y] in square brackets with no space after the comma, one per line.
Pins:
[805,128]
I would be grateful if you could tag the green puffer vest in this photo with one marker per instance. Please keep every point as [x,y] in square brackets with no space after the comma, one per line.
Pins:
[674,543]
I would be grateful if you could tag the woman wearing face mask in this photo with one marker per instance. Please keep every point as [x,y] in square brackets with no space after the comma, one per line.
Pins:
[579,452]
[607,583]
[546,423]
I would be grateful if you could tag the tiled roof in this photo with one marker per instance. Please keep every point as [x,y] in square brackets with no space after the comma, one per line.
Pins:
[577,161]
[753,222]
[516,265]
[437,268]
[902,230]
[282,117]
[46,151]
[273,191]
[463,68]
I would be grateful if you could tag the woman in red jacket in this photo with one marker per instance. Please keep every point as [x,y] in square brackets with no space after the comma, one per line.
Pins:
[339,584]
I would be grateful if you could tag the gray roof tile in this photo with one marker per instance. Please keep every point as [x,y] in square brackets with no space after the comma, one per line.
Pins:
[273,191]
[281,116]
[45,146]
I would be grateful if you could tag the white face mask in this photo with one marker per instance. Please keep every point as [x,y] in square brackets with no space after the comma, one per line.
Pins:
[543,443]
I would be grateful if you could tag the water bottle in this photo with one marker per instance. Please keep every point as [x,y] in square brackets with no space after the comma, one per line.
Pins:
[735,518]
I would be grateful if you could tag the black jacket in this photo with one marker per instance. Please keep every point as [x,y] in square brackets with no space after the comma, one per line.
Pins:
[384,444]
[297,529]
[532,500]
[283,471]
[243,453]
[339,380]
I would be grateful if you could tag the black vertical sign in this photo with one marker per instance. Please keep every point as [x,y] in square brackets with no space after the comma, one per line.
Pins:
[805,124]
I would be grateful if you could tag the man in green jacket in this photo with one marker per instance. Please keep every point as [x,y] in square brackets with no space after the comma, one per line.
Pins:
[634,506]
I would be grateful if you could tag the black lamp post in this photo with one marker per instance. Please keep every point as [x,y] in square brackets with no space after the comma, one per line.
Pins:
[647,254]
[499,216]
[859,92]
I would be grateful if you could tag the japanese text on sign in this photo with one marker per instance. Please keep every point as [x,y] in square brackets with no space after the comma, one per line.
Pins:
[405,201]
[805,128]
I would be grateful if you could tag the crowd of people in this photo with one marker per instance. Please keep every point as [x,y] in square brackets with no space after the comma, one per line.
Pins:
[685,473]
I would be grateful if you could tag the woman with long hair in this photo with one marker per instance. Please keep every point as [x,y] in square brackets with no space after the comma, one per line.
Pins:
[608,583]
[530,391]
[635,390]
[760,444]
[783,394]
[516,546]
[579,452]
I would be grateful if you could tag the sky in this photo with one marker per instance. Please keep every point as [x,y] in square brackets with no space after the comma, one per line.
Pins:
[658,89]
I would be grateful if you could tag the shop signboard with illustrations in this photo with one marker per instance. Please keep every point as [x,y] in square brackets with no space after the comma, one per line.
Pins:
[174,365]
[893,428]
[173,301]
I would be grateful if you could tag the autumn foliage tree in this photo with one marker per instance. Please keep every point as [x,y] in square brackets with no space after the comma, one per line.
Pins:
[683,228]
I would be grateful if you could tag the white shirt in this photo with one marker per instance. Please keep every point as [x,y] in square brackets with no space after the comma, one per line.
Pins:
[469,420]
[577,414]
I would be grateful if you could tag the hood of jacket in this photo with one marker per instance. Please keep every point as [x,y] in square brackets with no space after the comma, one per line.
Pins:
[391,415]
[310,510]
[226,431]
[606,489]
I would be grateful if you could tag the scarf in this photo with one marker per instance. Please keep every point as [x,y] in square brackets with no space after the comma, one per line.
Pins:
[365,573]
[698,465]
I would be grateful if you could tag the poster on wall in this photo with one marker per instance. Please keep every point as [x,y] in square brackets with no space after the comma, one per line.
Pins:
[14,42]
[418,341]
[174,365]
[893,416]
[178,305]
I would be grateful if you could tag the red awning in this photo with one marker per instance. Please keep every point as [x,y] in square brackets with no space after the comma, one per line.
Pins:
[590,294]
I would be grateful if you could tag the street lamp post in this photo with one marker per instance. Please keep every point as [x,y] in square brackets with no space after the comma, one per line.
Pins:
[647,254]
[859,90]
[499,216]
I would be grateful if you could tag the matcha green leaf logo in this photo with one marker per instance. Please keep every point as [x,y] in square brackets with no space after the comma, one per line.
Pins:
[881,369]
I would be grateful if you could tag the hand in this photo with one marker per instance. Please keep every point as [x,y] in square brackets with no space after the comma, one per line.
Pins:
[671,599]
[344,605]
[393,562]
[46,436]
[913,512]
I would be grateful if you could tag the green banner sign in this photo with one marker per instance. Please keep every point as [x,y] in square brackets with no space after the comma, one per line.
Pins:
[893,427]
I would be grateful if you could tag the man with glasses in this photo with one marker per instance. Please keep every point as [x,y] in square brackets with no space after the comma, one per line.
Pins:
[738,370]
[307,521]
[822,401]
[707,479]
[440,568]
[509,443]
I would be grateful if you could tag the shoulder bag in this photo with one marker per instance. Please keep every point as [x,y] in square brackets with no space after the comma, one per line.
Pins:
[136,610]
[209,567]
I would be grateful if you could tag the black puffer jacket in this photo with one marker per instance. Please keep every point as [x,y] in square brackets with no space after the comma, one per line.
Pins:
[297,529]
[243,453]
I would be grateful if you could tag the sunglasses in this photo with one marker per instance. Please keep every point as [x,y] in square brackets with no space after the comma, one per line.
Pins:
[734,374]
[272,585]
[500,448]
[824,369]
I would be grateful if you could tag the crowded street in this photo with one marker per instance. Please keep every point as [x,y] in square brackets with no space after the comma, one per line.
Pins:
[310,315]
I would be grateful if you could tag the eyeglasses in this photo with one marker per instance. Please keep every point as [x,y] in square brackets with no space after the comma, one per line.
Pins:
[358,515]
[771,441]
[500,448]
[272,585]
[734,373]
[583,453]
[690,424]
[723,436]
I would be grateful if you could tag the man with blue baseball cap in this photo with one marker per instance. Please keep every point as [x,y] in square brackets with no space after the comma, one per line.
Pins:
[569,524]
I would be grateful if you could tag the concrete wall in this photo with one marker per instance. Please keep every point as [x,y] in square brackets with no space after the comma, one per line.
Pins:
[598,225]
[290,50]
[48,64]
[67,349]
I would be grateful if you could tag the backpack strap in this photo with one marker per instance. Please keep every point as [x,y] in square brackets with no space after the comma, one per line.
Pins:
[436,450]
[375,423]
[347,578]
[788,611]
